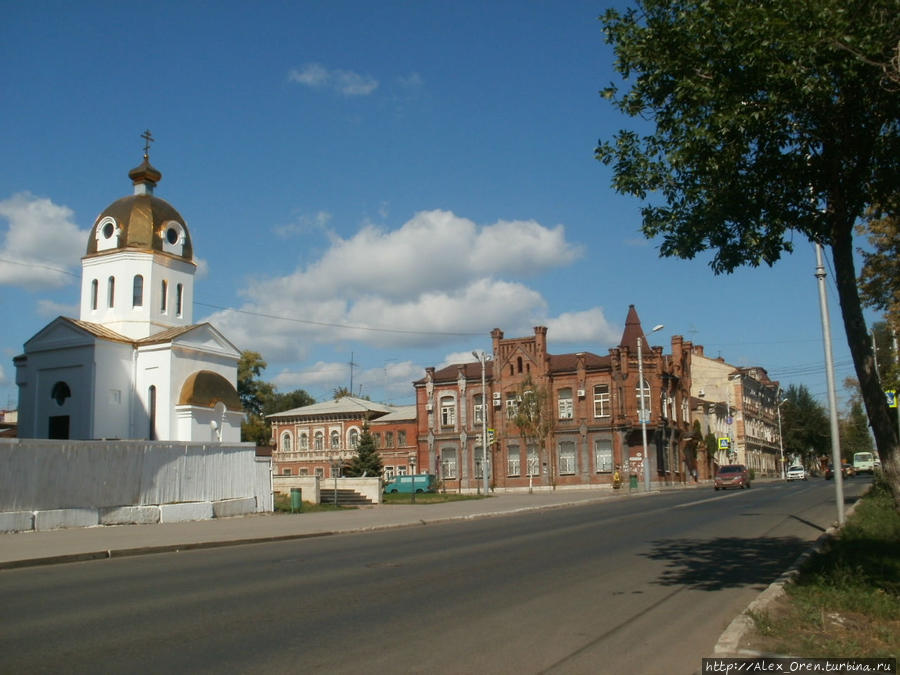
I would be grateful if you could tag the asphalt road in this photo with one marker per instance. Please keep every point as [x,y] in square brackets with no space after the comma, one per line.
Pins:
[627,586]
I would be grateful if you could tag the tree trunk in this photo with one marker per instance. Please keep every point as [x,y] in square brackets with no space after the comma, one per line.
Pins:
[886,434]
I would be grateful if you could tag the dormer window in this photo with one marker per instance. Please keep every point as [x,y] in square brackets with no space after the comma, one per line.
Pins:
[173,236]
[107,234]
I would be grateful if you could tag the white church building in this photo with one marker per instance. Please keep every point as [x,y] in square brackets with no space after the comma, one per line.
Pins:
[133,365]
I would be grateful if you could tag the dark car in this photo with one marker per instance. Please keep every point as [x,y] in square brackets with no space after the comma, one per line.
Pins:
[732,476]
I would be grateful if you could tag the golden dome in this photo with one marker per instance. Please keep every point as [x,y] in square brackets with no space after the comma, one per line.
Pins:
[141,221]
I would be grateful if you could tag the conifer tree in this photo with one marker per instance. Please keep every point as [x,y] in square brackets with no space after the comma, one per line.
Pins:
[367,460]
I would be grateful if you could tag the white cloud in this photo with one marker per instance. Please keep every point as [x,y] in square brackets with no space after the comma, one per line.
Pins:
[587,327]
[345,82]
[436,279]
[304,224]
[42,246]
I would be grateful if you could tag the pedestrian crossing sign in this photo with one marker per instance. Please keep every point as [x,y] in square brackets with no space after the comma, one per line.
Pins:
[891,398]
[724,443]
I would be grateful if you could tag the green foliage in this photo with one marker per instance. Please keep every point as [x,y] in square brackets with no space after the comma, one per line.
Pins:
[853,425]
[879,279]
[754,105]
[804,425]
[260,398]
[367,461]
[535,418]
[766,119]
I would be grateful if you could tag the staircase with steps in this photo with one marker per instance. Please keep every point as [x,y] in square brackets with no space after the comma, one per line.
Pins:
[345,497]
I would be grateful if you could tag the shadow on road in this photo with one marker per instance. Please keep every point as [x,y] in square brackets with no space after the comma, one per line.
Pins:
[725,562]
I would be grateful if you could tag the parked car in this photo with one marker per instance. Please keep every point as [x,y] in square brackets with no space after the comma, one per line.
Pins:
[796,472]
[419,482]
[847,468]
[732,476]
[829,472]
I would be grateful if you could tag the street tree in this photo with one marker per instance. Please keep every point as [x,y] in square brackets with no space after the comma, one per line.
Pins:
[805,431]
[766,120]
[853,426]
[534,419]
[260,398]
[366,461]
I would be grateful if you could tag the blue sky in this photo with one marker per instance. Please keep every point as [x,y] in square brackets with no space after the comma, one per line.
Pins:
[381,182]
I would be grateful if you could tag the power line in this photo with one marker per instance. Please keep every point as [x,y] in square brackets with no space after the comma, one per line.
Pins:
[337,325]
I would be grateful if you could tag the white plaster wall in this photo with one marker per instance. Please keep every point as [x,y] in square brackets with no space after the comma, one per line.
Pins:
[113,399]
[46,475]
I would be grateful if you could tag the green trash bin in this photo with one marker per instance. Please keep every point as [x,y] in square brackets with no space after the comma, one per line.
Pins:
[632,481]
[296,500]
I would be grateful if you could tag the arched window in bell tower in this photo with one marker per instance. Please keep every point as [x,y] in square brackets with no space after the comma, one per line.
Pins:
[110,292]
[137,299]
[94,291]
[179,299]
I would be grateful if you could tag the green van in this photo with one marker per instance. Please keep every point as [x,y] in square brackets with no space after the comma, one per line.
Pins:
[418,482]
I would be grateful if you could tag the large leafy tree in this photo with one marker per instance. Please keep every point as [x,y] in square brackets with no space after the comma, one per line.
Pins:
[767,119]
[259,398]
[804,426]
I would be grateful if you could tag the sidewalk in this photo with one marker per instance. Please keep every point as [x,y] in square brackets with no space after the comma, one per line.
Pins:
[28,549]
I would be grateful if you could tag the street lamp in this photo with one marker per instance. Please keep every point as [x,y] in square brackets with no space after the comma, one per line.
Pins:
[780,439]
[643,409]
[484,408]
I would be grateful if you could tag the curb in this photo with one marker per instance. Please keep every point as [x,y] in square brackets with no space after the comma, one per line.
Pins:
[730,640]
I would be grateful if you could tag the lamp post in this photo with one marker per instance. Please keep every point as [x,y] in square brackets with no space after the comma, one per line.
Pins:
[412,468]
[335,465]
[484,407]
[643,409]
[780,439]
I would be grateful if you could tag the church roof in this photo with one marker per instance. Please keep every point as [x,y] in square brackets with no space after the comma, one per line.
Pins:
[143,221]
[633,330]
[346,405]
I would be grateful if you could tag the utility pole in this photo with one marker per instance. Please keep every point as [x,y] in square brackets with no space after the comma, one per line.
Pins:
[832,397]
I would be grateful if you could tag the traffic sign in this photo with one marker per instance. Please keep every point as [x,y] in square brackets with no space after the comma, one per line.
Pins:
[724,443]
[891,397]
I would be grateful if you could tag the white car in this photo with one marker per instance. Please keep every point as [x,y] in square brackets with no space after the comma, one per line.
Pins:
[796,473]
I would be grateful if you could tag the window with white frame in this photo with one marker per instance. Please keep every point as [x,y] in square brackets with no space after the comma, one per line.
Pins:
[335,440]
[285,472]
[319,441]
[566,458]
[603,455]
[448,463]
[534,461]
[513,461]
[304,441]
[402,470]
[389,439]
[320,472]
[401,438]
[564,403]
[137,291]
[663,405]
[478,409]
[601,400]
[646,393]
[388,472]
[285,442]
[448,411]
[354,438]
[512,407]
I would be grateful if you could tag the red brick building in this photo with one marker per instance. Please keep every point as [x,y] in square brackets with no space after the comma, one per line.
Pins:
[593,405]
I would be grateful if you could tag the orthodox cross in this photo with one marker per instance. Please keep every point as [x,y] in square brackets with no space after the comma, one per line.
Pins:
[148,139]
